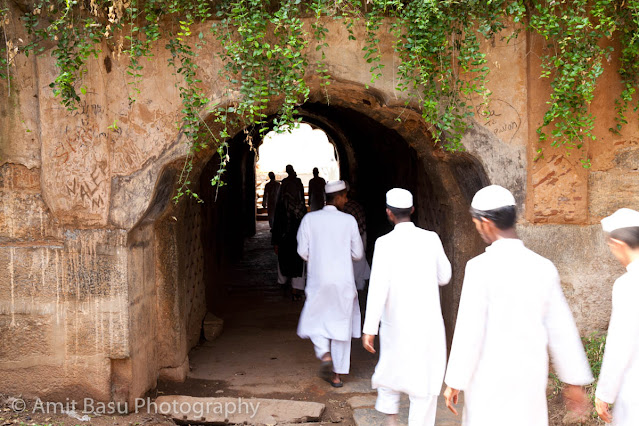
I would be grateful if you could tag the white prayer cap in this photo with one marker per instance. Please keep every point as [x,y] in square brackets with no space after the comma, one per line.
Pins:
[335,186]
[622,218]
[492,197]
[399,198]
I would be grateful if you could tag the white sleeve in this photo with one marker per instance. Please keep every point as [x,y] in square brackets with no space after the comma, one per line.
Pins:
[357,247]
[621,343]
[377,290]
[564,343]
[468,340]
[444,270]
[303,234]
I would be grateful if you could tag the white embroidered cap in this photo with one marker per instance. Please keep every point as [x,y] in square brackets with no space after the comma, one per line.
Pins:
[335,186]
[399,198]
[492,197]
[622,218]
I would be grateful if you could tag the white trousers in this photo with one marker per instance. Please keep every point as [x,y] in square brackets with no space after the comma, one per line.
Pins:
[340,352]
[422,409]
[298,283]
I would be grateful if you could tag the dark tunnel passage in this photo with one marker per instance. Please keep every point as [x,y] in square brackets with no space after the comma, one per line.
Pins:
[373,159]
[197,260]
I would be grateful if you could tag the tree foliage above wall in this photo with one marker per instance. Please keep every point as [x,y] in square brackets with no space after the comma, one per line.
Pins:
[266,47]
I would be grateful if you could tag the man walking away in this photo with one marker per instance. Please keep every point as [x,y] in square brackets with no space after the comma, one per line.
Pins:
[619,378]
[316,196]
[409,265]
[329,241]
[271,191]
[512,312]
[288,215]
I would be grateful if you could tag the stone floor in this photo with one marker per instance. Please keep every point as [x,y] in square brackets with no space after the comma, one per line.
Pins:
[260,355]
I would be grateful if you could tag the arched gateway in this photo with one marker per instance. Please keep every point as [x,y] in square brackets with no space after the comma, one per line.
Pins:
[104,282]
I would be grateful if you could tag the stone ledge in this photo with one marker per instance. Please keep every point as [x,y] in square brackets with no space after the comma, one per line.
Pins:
[255,411]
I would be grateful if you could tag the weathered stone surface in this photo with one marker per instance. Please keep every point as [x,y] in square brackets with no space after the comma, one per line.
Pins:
[613,190]
[505,164]
[586,267]
[175,374]
[359,401]
[26,336]
[19,109]
[213,327]
[560,189]
[254,411]
[56,377]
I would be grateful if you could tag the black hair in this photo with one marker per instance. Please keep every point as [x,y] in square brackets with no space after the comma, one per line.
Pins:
[400,213]
[629,236]
[271,175]
[331,197]
[504,217]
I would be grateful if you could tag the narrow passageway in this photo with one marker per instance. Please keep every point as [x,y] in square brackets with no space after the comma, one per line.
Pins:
[260,355]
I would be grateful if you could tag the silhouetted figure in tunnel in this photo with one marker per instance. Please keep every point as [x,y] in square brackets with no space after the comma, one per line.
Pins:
[269,202]
[316,195]
[289,212]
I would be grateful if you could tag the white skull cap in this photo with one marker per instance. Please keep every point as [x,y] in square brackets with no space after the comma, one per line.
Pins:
[492,197]
[399,198]
[335,186]
[622,218]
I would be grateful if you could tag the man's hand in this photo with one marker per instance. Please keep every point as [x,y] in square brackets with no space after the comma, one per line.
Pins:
[576,400]
[368,341]
[603,409]
[451,395]
[276,249]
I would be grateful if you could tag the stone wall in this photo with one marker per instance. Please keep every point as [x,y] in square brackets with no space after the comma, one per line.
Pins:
[103,280]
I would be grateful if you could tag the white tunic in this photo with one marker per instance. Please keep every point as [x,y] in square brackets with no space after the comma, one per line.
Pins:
[329,241]
[361,268]
[619,377]
[512,312]
[409,264]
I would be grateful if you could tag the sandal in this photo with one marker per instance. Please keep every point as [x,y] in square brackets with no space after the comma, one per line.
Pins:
[326,371]
[338,384]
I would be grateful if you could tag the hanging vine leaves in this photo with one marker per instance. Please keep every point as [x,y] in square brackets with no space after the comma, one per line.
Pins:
[265,52]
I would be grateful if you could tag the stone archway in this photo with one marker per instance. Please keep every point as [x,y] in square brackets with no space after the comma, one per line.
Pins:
[177,253]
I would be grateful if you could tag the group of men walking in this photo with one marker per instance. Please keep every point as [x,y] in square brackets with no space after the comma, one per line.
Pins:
[286,207]
[511,315]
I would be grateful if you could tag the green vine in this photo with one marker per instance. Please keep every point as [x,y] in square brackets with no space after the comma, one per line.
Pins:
[6,46]
[575,62]
[628,27]
[266,46]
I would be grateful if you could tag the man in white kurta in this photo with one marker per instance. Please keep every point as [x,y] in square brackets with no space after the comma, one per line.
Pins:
[512,313]
[619,378]
[409,265]
[329,241]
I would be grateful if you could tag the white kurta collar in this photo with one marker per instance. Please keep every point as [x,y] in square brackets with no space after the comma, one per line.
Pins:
[404,225]
[633,266]
[505,244]
[330,207]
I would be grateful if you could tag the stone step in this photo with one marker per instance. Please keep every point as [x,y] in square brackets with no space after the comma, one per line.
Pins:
[254,411]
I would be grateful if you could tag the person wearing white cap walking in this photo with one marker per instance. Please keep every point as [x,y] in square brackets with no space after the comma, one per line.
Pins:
[511,314]
[619,378]
[409,265]
[329,241]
